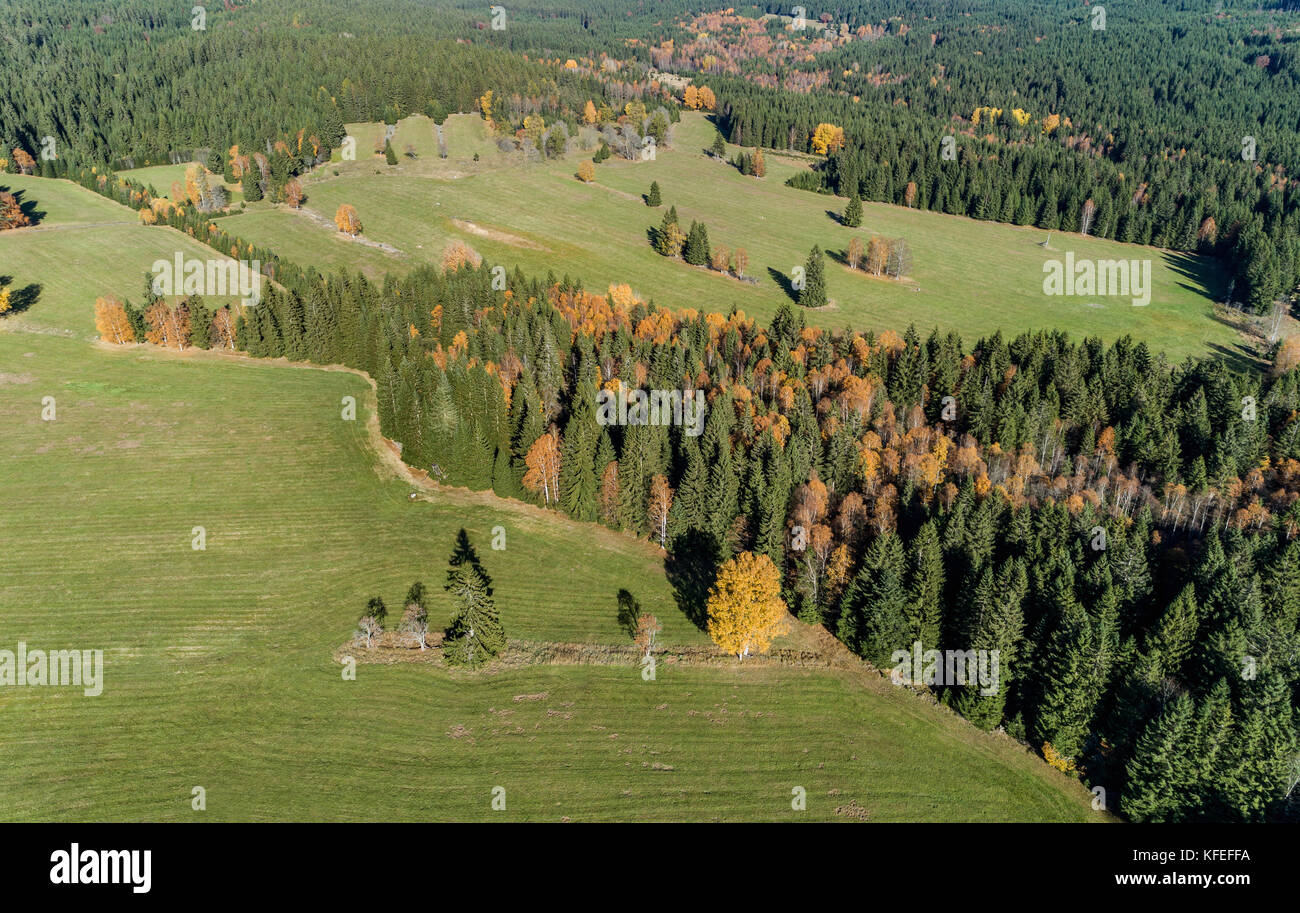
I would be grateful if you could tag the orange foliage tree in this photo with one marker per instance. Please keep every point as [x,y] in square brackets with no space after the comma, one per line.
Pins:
[24,161]
[827,138]
[745,608]
[111,321]
[11,213]
[347,220]
[543,462]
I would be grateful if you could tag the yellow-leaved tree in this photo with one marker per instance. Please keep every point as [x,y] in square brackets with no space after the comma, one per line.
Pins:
[746,611]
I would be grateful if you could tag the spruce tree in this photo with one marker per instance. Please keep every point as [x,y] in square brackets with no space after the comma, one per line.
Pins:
[251,186]
[653,198]
[475,634]
[1161,769]
[200,323]
[813,293]
[925,589]
[579,475]
[874,616]
[853,212]
[696,252]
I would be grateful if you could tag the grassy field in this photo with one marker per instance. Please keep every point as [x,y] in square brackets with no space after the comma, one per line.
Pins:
[974,277]
[218,669]
[83,246]
[219,663]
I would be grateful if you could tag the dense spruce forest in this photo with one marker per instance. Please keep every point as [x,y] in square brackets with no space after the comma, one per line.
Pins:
[1124,531]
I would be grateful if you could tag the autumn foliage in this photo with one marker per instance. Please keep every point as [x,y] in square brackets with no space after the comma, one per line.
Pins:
[745,608]
[347,220]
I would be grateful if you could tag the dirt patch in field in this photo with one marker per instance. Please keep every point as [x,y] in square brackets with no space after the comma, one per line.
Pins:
[6,378]
[494,234]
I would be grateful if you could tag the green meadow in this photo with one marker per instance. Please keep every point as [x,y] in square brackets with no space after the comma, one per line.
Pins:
[82,247]
[218,663]
[974,277]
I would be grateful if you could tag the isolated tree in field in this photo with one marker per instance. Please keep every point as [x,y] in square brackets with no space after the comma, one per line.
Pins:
[6,305]
[475,634]
[760,164]
[293,194]
[543,462]
[853,212]
[719,148]
[389,155]
[110,320]
[813,294]
[368,628]
[653,198]
[586,172]
[745,609]
[658,508]
[853,256]
[24,161]
[647,634]
[11,213]
[739,261]
[347,220]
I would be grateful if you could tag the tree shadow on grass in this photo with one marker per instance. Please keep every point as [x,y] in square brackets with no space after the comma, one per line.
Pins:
[838,256]
[629,612]
[692,566]
[28,207]
[465,553]
[20,299]
[782,280]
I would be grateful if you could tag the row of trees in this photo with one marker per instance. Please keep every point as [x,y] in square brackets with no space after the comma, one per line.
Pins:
[693,245]
[475,635]
[187,323]
[879,256]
